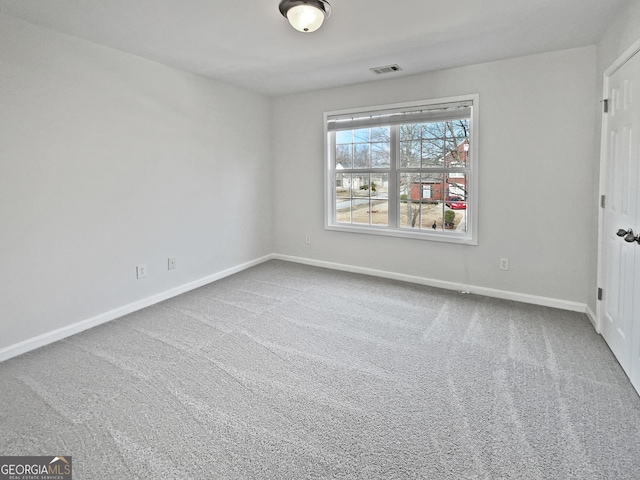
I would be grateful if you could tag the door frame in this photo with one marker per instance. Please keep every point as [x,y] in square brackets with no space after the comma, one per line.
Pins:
[628,54]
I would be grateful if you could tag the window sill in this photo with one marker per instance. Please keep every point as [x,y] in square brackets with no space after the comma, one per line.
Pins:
[458,238]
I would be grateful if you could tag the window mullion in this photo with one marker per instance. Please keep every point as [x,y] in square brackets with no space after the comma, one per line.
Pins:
[394,195]
[330,186]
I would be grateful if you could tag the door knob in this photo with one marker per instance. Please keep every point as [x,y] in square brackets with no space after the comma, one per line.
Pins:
[628,235]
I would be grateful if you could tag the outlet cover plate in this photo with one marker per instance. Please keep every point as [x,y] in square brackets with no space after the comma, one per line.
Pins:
[141,271]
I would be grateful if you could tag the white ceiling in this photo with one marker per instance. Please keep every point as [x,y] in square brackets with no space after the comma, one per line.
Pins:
[248,43]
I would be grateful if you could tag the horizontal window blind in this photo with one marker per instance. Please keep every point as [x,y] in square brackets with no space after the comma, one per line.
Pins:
[418,114]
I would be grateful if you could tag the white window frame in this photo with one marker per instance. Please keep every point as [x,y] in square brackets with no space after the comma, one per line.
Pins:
[468,238]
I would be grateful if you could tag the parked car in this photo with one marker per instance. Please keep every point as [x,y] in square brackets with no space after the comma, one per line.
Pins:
[455,203]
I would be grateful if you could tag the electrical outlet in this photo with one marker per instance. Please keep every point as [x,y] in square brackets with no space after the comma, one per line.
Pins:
[141,271]
[307,239]
[504,264]
[171,264]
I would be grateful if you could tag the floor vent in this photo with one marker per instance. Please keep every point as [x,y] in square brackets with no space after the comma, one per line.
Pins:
[385,69]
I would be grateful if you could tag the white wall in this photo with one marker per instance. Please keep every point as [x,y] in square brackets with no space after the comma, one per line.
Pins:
[537,163]
[108,161]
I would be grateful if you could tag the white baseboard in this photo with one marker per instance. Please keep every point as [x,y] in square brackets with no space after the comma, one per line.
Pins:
[64,332]
[592,318]
[489,292]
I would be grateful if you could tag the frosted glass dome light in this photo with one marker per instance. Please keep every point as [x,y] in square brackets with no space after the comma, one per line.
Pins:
[305,16]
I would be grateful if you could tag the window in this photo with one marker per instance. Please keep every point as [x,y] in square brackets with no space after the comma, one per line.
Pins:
[404,170]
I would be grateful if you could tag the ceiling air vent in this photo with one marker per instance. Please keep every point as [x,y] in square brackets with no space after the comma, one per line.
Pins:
[385,69]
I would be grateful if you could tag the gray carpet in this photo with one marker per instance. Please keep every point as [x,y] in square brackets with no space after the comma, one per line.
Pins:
[294,372]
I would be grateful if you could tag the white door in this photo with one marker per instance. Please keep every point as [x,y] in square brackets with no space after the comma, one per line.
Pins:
[620,311]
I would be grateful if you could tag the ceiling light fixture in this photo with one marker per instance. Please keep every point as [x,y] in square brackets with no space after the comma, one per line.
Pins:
[305,15]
